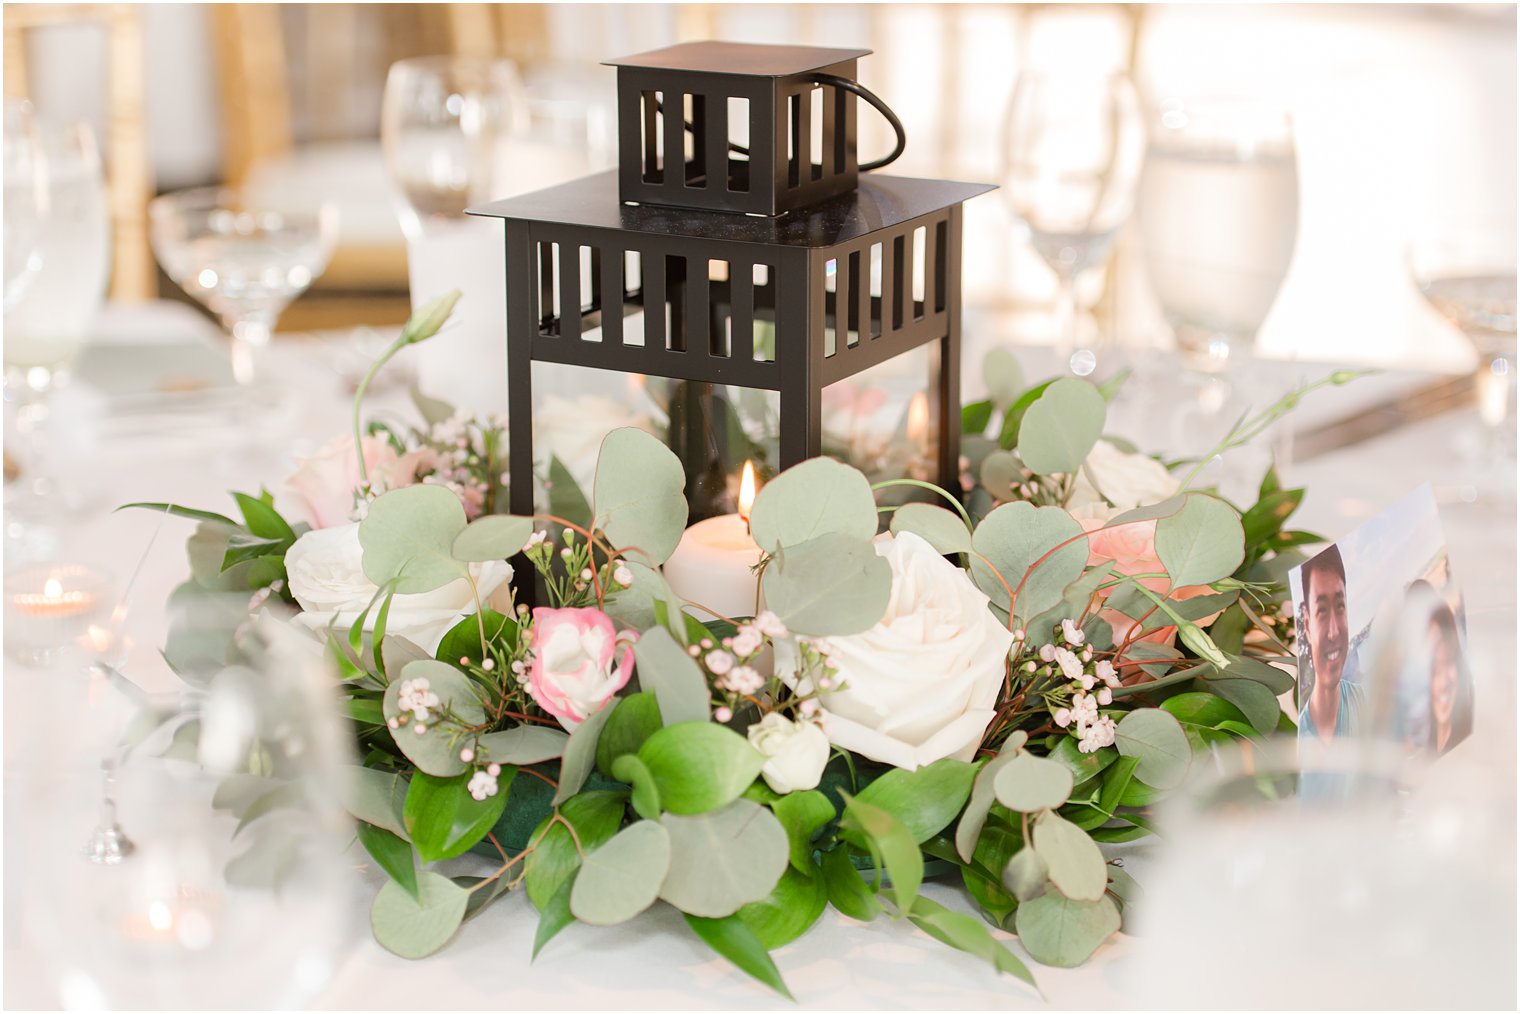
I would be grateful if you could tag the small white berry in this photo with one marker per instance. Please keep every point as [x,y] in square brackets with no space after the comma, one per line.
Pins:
[467,755]
[493,770]
[488,664]
[723,714]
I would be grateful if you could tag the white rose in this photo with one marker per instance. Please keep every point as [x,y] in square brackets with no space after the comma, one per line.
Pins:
[921,684]
[573,430]
[1127,480]
[796,752]
[326,572]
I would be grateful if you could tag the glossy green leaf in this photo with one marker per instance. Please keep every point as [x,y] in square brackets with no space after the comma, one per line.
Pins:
[408,538]
[263,520]
[925,800]
[623,877]
[678,685]
[802,814]
[634,719]
[966,933]
[891,845]
[790,910]
[1062,426]
[1082,765]
[818,497]
[847,891]
[1074,864]
[1058,931]
[188,513]
[639,495]
[1157,739]
[1201,543]
[722,861]
[416,927]
[444,820]
[733,939]
[555,916]
[595,816]
[1018,539]
[832,585]
[646,796]
[492,537]
[699,766]
[391,854]
[940,528]
[1257,702]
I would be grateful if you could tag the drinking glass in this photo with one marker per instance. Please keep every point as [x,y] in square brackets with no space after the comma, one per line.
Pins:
[443,122]
[1073,148]
[243,262]
[189,850]
[51,304]
[1218,211]
[1467,273]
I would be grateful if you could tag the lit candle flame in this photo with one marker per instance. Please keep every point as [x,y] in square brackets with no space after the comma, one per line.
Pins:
[52,588]
[747,491]
[918,420]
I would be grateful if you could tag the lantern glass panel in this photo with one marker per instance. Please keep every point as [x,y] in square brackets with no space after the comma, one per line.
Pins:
[883,420]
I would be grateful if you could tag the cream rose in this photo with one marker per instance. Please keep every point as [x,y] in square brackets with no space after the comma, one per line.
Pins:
[326,572]
[795,752]
[1126,480]
[921,684]
[321,489]
[573,430]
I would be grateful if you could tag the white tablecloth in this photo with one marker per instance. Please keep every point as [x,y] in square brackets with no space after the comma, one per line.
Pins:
[655,962]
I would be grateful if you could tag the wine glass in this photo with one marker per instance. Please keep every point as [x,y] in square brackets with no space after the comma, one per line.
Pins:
[1467,273]
[51,303]
[1073,148]
[1218,211]
[192,852]
[243,262]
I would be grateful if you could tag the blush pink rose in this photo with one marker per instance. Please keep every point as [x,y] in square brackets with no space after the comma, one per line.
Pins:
[1131,549]
[579,662]
[321,489]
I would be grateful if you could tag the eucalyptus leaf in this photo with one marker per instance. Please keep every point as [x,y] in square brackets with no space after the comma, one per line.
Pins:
[526,744]
[623,877]
[639,495]
[493,537]
[1059,931]
[1061,427]
[699,766]
[974,817]
[416,927]
[1026,874]
[831,586]
[436,751]
[595,815]
[1074,864]
[724,860]
[1029,784]
[1258,702]
[665,668]
[940,528]
[1156,738]
[1201,543]
[408,538]
[376,797]
[999,473]
[635,605]
[818,497]
[1254,669]
[580,754]
[1018,539]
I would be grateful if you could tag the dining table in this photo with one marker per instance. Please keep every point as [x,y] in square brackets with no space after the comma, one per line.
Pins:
[134,442]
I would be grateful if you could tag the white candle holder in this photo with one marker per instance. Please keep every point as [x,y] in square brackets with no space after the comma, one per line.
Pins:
[49,608]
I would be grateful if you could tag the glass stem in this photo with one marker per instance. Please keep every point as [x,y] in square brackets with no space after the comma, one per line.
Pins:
[249,335]
[32,412]
[1066,319]
[1494,384]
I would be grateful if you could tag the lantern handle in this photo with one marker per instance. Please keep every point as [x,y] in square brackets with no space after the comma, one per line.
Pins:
[854,88]
[861,91]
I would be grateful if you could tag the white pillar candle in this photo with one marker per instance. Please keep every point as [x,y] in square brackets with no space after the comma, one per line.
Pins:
[466,365]
[713,567]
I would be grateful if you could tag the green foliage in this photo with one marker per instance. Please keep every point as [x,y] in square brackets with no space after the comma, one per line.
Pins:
[646,793]
[436,751]
[818,497]
[723,860]
[635,605]
[426,322]
[1026,874]
[802,814]
[1029,784]
[1061,427]
[1201,543]
[634,719]
[580,754]
[831,585]
[966,933]
[1073,862]
[923,801]
[639,495]
[525,744]
[975,417]
[416,927]
[978,805]
[847,892]
[391,854]
[1157,740]
[699,766]
[733,939]
[891,845]
[1057,930]
[1018,541]
[1003,376]
[665,668]
[623,877]
[790,910]
[942,529]
[408,539]
[493,537]
[595,816]
[555,915]
[1013,419]
[444,820]
[566,499]
[376,797]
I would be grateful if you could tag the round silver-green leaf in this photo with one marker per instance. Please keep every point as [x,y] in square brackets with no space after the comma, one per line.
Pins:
[1029,784]
[416,927]
[493,537]
[1201,543]
[639,495]
[1015,539]
[408,537]
[942,529]
[623,877]
[1072,859]
[435,751]
[829,586]
[1062,426]
[1058,931]
[1157,739]
[818,497]
[526,744]
[724,860]
[1026,874]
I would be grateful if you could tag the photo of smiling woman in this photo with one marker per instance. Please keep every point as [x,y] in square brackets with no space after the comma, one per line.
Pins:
[1450,681]
[1331,697]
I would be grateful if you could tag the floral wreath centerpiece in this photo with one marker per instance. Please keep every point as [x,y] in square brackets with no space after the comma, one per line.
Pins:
[995,686]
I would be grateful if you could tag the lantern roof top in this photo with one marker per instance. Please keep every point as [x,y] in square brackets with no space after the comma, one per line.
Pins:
[739,58]
[880,202]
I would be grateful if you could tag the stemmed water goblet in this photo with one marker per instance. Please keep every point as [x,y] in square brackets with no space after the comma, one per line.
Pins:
[245,263]
[23,211]
[1072,151]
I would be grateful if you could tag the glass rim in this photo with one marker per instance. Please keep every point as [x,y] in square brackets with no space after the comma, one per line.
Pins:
[441,62]
[220,196]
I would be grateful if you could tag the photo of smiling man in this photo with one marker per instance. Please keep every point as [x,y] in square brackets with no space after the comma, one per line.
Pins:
[1331,697]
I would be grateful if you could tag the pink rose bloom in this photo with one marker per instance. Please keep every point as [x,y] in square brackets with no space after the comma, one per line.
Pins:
[1130,549]
[321,489]
[577,664]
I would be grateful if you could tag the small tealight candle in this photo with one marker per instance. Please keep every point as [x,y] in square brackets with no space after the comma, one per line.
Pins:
[712,568]
[47,608]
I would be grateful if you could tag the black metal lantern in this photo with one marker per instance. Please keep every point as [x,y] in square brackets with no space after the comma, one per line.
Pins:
[617,271]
